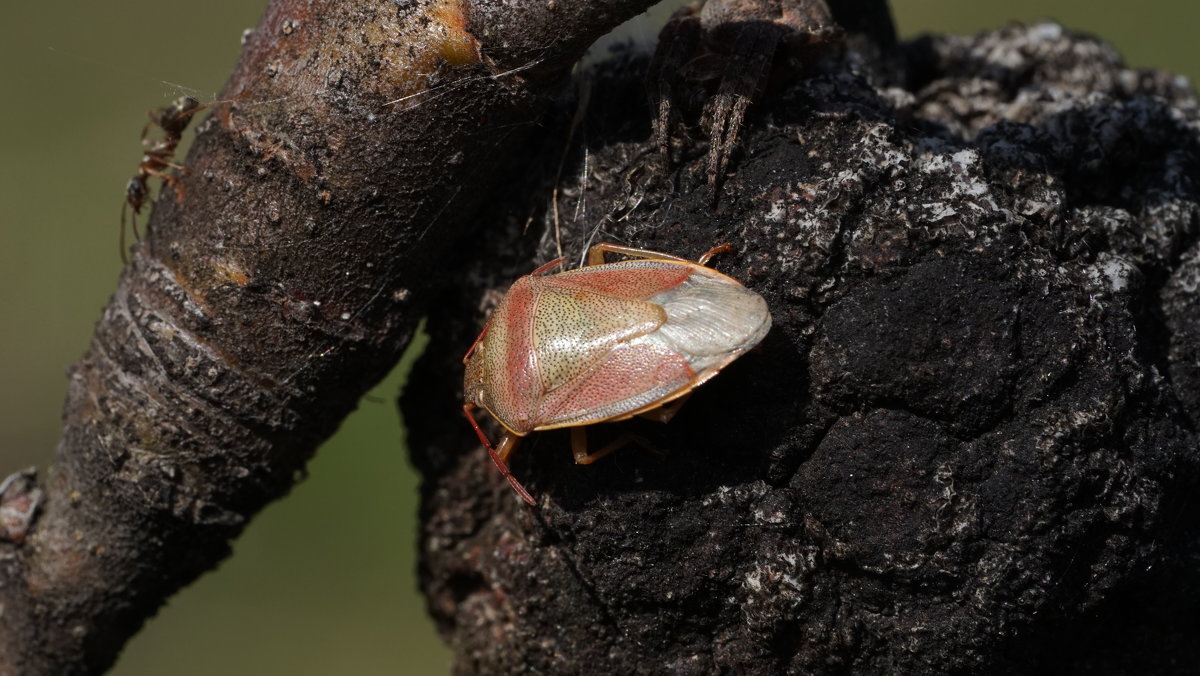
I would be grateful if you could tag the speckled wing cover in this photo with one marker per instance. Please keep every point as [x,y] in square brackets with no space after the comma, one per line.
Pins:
[613,340]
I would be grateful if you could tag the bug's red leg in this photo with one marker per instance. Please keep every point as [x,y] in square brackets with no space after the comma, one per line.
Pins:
[470,350]
[549,266]
[509,446]
[720,248]
[582,457]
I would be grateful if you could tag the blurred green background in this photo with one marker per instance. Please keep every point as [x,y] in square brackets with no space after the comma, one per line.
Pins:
[323,581]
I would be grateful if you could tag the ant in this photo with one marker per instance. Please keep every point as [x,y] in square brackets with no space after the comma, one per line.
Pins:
[172,119]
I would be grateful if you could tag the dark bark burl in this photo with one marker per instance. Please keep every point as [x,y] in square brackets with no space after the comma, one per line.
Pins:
[967,444]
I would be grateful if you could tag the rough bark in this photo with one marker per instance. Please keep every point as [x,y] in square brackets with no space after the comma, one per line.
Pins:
[280,277]
[968,443]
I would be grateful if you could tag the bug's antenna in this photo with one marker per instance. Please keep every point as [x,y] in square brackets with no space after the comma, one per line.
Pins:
[512,480]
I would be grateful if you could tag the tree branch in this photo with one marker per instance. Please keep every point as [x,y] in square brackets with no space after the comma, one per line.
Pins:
[281,276]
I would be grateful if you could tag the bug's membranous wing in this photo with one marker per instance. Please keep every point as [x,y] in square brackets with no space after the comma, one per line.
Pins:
[711,320]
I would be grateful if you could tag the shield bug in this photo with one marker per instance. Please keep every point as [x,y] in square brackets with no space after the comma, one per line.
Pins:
[603,343]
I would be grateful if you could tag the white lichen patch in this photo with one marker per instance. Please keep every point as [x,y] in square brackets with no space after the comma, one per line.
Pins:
[1112,274]
[740,494]
[780,581]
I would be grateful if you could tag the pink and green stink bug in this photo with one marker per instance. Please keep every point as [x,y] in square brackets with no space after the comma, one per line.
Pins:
[605,342]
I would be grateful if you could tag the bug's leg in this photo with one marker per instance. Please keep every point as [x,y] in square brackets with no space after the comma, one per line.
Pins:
[579,446]
[664,413]
[548,266]
[596,253]
[471,350]
[508,444]
[705,257]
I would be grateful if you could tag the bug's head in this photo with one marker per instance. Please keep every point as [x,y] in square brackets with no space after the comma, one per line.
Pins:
[475,378]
